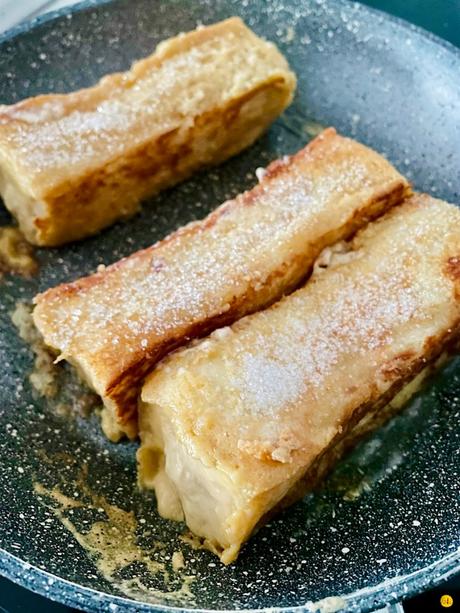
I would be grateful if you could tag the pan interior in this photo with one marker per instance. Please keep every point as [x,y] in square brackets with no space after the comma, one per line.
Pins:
[69,500]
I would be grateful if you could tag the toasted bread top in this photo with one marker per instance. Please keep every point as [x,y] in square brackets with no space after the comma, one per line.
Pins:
[49,139]
[260,400]
[114,325]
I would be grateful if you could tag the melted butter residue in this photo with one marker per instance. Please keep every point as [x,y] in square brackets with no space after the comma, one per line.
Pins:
[355,492]
[194,541]
[67,395]
[16,254]
[112,545]
[44,376]
[178,560]
[313,128]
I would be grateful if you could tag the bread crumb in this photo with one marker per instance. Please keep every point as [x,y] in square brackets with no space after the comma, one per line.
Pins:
[178,561]
[16,254]
[43,376]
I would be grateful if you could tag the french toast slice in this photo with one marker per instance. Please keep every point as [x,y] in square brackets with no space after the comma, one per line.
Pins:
[115,325]
[73,164]
[249,418]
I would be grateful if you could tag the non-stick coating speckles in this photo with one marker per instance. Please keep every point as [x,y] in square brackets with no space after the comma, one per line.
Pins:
[387,521]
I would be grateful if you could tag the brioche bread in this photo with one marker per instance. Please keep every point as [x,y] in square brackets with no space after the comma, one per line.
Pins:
[116,324]
[73,164]
[245,420]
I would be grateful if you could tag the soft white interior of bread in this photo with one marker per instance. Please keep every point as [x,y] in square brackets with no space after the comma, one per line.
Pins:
[185,486]
[113,429]
[205,496]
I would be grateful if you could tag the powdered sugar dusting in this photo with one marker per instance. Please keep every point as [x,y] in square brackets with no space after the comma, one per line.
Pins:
[274,573]
[301,354]
[205,268]
[70,133]
[269,384]
[297,350]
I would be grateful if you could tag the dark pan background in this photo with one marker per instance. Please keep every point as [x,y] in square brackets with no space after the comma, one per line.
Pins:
[374,79]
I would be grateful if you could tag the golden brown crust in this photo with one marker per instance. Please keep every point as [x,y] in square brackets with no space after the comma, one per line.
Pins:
[452,267]
[260,402]
[366,420]
[116,324]
[73,164]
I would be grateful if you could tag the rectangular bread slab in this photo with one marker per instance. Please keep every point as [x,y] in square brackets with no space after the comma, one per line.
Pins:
[116,324]
[73,164]
[236,425]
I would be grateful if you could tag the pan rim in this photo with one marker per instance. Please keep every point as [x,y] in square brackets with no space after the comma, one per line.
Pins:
[73,594]
[31,24]
[365,599]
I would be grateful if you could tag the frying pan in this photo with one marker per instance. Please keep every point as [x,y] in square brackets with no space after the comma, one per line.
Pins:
[386,523]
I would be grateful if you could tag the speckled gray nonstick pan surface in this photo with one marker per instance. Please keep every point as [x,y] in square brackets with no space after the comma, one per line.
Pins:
[386,523]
